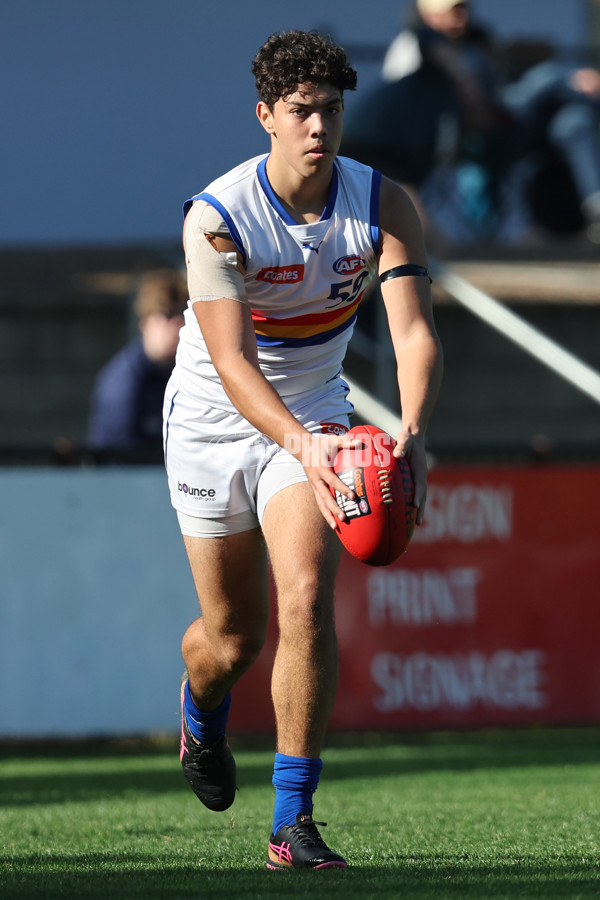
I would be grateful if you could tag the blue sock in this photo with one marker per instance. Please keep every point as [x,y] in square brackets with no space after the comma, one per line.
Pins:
[295,779]
[205,726]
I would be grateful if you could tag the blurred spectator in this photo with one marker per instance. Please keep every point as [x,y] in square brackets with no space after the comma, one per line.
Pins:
[443,100]
[126,404]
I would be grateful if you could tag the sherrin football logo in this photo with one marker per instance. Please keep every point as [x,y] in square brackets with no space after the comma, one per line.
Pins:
[355,479]
[348,265]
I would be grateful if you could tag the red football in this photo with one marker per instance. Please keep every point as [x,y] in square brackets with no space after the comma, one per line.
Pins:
[380,522]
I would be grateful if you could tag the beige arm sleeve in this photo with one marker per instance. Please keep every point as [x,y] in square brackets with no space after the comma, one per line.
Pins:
[211,275]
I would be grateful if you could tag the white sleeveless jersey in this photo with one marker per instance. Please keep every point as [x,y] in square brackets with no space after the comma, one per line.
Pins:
[304,283]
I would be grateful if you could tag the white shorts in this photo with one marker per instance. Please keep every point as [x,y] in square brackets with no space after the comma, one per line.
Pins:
[220,468]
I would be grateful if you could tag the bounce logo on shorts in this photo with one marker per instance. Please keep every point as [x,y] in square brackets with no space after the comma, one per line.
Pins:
[202,493]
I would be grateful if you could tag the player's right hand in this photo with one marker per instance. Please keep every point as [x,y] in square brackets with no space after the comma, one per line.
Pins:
[317,455]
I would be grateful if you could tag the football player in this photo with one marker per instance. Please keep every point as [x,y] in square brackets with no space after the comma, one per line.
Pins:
[279,252]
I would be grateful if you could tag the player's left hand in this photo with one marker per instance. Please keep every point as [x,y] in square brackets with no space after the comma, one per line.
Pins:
[412,448]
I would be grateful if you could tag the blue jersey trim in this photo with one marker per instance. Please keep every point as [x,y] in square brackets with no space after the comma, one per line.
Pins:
[208,198]
[272,197]
[276,203]
[263,341]
[374,210]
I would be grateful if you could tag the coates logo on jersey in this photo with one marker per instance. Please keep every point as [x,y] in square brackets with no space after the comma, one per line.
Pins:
[348,265]
[281,274]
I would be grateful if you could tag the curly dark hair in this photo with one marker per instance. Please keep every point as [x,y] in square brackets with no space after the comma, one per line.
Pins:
[290,58]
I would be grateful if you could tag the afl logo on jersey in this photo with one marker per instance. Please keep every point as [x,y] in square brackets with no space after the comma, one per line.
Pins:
[348,265]
[281,274]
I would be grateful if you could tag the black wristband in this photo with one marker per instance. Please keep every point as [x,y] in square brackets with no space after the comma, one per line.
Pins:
[408,269]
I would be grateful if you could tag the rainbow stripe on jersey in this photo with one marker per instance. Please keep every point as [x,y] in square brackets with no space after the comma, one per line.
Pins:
[300,331]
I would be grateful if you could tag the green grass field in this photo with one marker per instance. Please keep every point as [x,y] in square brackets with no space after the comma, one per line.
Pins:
[486,814]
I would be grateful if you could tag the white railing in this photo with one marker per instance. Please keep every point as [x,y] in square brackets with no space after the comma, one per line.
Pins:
[372,410]
[517,330]
[508,323]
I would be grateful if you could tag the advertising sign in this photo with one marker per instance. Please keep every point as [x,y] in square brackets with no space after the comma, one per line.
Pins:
[492,617]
